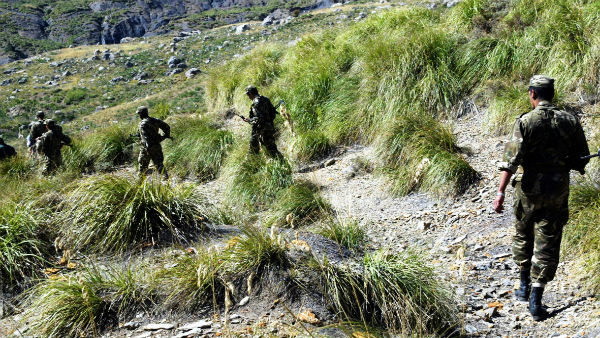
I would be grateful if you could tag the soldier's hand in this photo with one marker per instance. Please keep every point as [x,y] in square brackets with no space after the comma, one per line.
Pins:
[499,204]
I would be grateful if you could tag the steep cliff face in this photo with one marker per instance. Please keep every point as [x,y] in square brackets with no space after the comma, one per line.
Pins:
[30,27]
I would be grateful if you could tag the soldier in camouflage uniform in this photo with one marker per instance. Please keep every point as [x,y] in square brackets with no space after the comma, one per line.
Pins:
[150,140]
[36,129]
[6,151]
[546,144]
[50,144]
[262,114]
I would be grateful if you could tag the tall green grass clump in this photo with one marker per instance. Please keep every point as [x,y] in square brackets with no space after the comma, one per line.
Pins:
[254,180]
[24,246]
[346,232]
[255,250]
[398,292]
[19,167]
[109,213]
[199,148]
[298,204]
[85,303]
[192,283]
[354,86]
[581,234]
[422,154]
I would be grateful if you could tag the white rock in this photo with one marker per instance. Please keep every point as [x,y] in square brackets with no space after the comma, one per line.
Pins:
[244,301]
[201,324]
[155,327]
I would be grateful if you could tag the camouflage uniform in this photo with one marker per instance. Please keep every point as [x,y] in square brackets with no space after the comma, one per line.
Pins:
[150,144]
[262,113]
[546,143]
[50,144]
[36,129]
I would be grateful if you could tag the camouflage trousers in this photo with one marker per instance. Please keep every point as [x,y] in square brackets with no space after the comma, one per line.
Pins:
[266,138]
[154,153]
[539,228]
[51,163]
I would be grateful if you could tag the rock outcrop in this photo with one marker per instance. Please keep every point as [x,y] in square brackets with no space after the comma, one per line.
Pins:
[27,26]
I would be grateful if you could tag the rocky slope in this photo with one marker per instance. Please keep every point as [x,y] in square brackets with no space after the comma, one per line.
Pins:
[33,26]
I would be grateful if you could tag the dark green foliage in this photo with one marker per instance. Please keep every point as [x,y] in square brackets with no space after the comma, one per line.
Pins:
[75,95]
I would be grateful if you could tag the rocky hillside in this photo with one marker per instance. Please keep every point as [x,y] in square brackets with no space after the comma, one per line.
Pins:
[29,27]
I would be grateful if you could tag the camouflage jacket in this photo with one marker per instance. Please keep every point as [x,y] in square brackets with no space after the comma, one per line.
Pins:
[262,112]
[546,143]
[36,129]
[148,131]
[51,142]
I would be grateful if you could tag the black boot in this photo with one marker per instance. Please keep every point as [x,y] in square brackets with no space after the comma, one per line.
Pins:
[538,312]
[522,294]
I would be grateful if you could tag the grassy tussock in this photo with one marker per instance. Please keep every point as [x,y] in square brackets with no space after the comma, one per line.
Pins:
[19,167]
[395,291]
[346,232]
[85,303]
[199,148]
[581,235]
[255,250]
[100,150]
[23,245]
[192,283]
[113,213]
[421,153]
[253,181]
[349,87]
[298,204]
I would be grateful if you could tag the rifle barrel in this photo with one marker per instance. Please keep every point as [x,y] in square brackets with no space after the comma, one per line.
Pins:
[591,156]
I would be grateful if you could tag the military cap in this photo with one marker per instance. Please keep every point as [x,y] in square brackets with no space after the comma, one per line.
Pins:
[142,110]
[50,123]
[251,90]
[40,114]
[541,81]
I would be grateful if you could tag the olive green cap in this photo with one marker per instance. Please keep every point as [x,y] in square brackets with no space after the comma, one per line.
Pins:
[541,81]
[142,109]
[50,123]
[40,114]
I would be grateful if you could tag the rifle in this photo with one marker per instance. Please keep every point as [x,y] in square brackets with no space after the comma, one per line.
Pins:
[591,156]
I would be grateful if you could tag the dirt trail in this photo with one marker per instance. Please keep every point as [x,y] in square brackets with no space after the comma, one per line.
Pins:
[466,240]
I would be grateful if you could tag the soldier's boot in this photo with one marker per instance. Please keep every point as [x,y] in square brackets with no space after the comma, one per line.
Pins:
[522,294]
[537,310]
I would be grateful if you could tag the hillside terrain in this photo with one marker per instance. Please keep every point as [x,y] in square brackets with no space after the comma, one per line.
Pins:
[378,223]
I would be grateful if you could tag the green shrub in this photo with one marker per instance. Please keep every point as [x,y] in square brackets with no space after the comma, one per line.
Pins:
[114,213]
[199,148]
[23,243]
[399,292]
[298,204]
[85,303]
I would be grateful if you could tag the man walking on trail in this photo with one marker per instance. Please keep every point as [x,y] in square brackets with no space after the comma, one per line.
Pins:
[262,114]
[150,139]
[50,144]
[546,143]
[6,151]
[36,129]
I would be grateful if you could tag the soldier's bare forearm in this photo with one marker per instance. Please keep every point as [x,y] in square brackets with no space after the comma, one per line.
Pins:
[504,180]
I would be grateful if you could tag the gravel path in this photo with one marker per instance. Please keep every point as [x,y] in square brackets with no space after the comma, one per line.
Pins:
[466,240]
